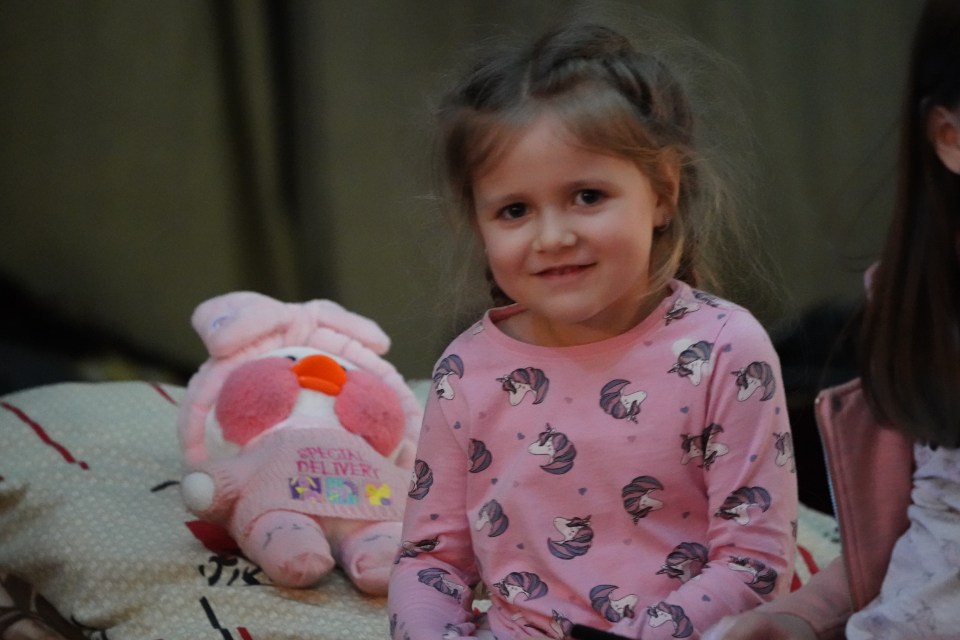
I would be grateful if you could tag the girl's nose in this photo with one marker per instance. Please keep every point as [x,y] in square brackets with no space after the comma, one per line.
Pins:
[553,233]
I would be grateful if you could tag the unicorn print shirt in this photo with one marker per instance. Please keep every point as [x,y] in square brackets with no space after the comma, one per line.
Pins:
[643,484]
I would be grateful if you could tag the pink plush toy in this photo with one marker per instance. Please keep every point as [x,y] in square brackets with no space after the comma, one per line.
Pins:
[321,433]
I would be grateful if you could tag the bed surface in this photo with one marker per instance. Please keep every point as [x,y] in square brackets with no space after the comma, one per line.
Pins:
[91,517]
[90,514]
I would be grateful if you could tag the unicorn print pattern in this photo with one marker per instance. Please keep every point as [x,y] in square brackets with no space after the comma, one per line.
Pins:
[703,446]
[558,449]
[450,366]
[685,561]
[480,456]
[421,481]
[637,500]
[665,613]
[492,514]
[738,504]
[521,584]
[692,361]
[620,405]
[521,382]
[784,446]
[613,609]
[577,536]
[560,627]
[410,549]
[439,580]
[762,580]
[516,473]
[680,309]
[756,375]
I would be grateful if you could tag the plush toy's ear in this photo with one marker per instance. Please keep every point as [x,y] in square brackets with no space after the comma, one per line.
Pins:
[234,320]
[329,314]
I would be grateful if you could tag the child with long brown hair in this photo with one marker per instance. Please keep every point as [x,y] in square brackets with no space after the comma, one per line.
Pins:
[892,437]
[601,446]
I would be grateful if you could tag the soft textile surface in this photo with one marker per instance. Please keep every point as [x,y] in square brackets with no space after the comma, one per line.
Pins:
[90,515]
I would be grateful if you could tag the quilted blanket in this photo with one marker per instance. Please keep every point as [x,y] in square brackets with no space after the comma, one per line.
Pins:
[91,516]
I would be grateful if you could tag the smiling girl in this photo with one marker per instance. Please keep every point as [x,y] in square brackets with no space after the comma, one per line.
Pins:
[575,161]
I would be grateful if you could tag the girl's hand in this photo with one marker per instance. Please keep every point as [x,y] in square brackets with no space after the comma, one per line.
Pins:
[756,625]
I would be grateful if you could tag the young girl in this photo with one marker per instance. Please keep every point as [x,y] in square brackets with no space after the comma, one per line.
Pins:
[602,449]
[900,525]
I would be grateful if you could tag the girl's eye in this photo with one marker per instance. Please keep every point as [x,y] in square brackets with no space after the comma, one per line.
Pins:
[589,196]
[513,211]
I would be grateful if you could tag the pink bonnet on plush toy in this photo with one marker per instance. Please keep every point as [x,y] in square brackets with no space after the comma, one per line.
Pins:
[240,326]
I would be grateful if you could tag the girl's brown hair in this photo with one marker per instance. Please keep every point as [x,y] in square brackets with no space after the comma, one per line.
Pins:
[910,339]
[613,99]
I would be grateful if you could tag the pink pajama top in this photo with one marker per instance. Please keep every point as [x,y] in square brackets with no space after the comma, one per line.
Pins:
[643,484]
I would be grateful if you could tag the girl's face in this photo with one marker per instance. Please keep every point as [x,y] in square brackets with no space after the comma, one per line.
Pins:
[568,234]
[943,129]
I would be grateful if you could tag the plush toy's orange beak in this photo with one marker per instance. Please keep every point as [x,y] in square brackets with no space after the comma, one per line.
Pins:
[320,373]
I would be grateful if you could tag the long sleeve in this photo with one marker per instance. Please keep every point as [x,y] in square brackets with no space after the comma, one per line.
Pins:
[748,473]
[823,603]
[431,585]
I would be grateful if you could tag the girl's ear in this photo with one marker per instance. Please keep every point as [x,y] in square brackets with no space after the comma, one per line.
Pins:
[669,192]
[943,130]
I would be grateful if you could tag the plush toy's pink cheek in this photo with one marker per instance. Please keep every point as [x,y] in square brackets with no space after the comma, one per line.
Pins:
[372,410]
[256,396]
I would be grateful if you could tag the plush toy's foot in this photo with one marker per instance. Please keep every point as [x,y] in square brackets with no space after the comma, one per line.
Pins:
[290,547]
[367,556]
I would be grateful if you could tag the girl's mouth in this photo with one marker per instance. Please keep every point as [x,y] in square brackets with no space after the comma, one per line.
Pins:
[563,270]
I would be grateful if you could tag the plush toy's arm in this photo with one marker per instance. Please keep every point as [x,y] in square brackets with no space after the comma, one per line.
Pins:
[198,491]
[211,491]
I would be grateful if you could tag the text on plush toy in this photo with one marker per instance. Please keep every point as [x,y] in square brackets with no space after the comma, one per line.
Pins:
[335,462]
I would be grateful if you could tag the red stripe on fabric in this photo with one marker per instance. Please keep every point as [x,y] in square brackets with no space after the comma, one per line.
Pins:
[163,392]
[244,633]
[43,436]
[795,583]
[808,559]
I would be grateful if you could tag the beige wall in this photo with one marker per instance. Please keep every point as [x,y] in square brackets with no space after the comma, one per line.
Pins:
[128,197]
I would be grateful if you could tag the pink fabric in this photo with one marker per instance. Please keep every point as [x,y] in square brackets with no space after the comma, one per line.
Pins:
[870,468]
[600,484]
[870,471]
[256,396]
[315,471]
[240,326]
[364,409]
[918,597]
[326,425]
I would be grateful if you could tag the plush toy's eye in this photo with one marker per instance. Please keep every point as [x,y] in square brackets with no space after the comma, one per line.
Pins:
[291,358]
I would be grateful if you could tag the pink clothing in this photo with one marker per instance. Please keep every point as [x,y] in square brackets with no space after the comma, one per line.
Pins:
[314,471]
[642,484]
[918,598]
[870,474]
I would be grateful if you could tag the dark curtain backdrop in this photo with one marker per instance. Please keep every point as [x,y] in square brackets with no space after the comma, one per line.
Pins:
[157,153]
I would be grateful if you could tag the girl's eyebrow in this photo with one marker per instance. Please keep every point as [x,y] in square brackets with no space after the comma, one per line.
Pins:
[496,200]
[598,183]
